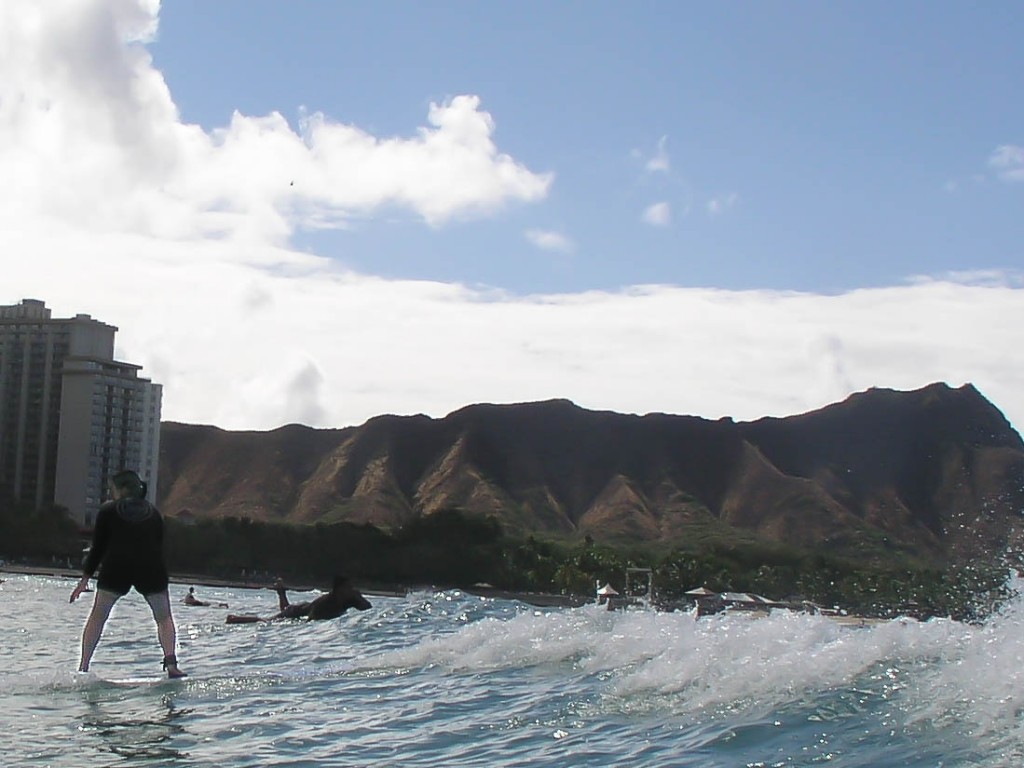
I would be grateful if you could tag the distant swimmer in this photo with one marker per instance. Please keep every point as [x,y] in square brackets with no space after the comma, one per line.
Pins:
[127,548]
[330,605]
[191,599]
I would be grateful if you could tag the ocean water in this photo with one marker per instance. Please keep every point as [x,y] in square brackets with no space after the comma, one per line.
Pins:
[450,679]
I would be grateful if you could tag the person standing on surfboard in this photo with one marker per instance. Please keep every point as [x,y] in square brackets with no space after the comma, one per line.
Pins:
[127,548]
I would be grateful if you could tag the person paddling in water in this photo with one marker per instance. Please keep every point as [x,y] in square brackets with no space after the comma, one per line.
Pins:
[330,605]
[127,548]
[191,599]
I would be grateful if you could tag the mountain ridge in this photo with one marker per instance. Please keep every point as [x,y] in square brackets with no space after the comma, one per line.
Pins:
[936,473]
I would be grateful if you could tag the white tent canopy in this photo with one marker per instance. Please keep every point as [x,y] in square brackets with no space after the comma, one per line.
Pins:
[701,592]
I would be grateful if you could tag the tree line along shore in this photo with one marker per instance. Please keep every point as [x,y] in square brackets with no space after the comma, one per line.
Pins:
[450,549]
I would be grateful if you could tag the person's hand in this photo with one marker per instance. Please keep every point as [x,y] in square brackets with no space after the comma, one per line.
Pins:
[79,589]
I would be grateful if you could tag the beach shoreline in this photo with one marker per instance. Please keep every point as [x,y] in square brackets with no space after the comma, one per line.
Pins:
[540,600]
[194,580]
[535,599]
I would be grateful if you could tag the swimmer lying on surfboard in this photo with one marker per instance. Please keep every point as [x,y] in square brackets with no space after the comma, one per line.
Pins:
[328,606]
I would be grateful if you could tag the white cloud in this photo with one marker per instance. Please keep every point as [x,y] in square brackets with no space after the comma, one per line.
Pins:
[659,214]
[1008,162]
[547,240]
[332,348]
[988,278]
[113,207]
[660,162]
[722,203]
[90,136]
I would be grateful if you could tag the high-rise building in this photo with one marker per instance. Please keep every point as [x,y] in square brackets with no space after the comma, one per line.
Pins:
[70,415]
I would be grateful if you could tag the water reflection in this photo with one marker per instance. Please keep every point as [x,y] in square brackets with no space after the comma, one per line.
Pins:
[122,728]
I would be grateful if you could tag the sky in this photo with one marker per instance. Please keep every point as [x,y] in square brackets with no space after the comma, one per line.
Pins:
[317,212]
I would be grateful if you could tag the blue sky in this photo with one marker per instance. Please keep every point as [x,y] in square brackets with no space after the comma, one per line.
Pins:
[319,212]
[846,144]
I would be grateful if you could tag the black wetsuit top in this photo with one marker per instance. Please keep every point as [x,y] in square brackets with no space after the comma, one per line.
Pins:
[332,605]
[328,606]
[127,547]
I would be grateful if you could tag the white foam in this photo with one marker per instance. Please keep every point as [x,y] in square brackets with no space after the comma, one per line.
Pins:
[935,671]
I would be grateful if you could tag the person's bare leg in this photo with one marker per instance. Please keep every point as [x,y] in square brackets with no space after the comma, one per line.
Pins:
[160,604]
[102,602]
[282,597]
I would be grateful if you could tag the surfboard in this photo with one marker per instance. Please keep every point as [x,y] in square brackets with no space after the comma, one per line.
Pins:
[242,618]
[140,680]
